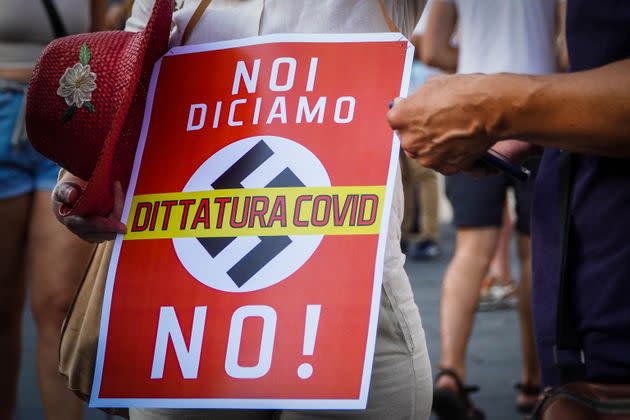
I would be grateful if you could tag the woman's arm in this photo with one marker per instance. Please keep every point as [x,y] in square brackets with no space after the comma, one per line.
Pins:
[437,50]
[98,9]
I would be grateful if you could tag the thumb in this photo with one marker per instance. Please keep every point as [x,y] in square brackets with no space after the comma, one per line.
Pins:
[67,193]
[393,115]
[119,203]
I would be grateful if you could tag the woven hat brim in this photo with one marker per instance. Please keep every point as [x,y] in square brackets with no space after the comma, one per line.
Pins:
[116,158]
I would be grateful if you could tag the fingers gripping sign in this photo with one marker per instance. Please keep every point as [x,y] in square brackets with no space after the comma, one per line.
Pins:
[91,228]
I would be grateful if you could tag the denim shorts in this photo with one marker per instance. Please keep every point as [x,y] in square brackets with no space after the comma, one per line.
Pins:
[22,168]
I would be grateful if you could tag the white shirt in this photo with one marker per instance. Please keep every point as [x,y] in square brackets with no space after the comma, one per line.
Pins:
[25,28]
[516,36]
[424,18]
[261,17]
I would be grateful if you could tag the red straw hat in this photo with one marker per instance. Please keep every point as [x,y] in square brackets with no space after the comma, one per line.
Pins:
[86,103]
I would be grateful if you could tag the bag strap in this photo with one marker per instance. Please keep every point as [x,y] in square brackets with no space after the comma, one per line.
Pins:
[567,351]
[388,19]
[203,5]
[55,20]
[194,20]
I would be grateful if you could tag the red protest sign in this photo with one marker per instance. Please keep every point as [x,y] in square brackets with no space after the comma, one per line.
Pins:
[257,214]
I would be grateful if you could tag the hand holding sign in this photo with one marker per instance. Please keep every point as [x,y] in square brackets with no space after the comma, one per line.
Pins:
[91,228]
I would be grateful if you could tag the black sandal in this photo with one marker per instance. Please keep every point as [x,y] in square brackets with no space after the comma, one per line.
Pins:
[455,405]
[527,390]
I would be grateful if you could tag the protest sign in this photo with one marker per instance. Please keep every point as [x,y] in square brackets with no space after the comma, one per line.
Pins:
[257,215]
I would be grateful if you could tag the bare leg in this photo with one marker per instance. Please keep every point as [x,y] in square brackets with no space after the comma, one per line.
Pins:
[460,296]
[530,370]
[500,266]
[58,261]
[13,220]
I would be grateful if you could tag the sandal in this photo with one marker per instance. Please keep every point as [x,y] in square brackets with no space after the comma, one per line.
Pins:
[527,390]
[449,404]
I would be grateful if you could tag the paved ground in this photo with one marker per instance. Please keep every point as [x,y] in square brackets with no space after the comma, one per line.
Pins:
[494,350]
[493,353]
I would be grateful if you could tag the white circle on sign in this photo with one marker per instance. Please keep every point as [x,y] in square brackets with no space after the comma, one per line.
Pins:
[305,370]
[280,156]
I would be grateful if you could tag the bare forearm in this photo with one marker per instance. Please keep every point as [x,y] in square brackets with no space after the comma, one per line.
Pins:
[584,112]
[445,58]
[437,50]
[98,10]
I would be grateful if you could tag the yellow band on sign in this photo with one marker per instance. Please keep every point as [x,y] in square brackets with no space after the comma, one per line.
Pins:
[257,212]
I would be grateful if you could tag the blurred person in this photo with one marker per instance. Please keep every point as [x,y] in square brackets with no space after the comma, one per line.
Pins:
[33,245]
[400,387]
[582,120]
[417,180]
[421,226]
[117,13]
[494,36]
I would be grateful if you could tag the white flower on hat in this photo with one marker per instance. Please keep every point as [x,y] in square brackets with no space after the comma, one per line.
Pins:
[77,84]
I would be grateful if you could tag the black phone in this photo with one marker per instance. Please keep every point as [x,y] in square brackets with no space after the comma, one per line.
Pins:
[496,160]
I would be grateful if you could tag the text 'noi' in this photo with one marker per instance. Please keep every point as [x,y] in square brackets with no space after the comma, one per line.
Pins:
[283,108]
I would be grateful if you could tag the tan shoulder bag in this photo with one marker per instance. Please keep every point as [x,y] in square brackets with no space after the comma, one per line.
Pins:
[80,330]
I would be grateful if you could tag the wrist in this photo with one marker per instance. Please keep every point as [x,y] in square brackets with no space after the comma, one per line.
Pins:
[514,105]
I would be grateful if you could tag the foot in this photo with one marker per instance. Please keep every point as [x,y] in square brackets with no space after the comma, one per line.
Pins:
[446,381]
[497,297]
[451,399]
[426,249]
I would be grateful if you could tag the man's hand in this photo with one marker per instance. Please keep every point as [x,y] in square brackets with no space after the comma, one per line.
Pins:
[448,123]
[89,228]
[451,120]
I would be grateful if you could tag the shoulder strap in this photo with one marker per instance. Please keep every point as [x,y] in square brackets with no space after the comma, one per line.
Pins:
[388,19]
[194,19]
[55,20]
[568,353]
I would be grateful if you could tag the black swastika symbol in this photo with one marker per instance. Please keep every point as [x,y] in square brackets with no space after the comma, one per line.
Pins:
[269,246]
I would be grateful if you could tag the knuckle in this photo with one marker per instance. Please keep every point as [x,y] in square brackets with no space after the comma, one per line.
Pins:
[396,115]
[448,170]
[408,150]
[426,162]
[392,118]
[77,225]
[57,196]
[72,223]
[58,215]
